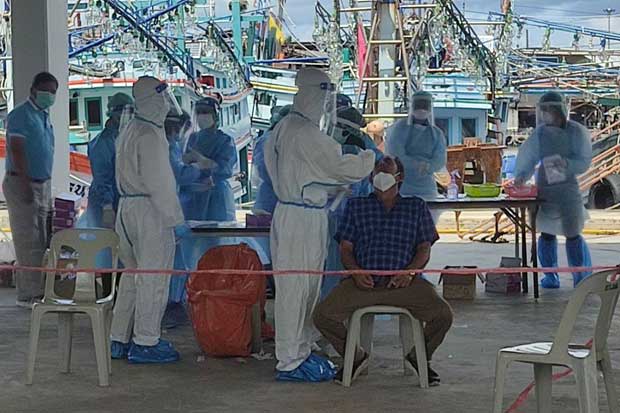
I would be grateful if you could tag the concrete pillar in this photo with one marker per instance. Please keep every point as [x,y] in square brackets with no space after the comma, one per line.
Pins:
[39,43]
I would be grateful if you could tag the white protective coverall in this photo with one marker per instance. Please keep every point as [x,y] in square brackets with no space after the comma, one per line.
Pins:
[148,212]
[304,163]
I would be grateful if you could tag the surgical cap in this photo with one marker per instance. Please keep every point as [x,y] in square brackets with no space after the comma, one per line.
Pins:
[352,115]
[117,102]
[208,102]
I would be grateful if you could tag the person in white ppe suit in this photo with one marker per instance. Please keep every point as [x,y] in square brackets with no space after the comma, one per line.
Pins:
[420,146]
[148,213]
[304,163]
[563,149]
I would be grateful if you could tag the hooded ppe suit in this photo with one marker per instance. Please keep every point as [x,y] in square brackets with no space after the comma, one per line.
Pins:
[563,152]
[421,147]
[303,164]
[149,210]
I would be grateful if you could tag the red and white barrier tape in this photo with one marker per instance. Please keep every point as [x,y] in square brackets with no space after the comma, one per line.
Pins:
[452,271]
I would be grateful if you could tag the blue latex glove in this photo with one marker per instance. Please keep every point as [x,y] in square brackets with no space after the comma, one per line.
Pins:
[181,231]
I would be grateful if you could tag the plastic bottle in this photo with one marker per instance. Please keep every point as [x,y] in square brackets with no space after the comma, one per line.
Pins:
[453,188]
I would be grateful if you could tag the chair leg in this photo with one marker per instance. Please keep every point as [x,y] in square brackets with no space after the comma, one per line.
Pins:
[405,331]
[353,335]
[610,386]
[65,339]
[108,331]
[542,375]
[366,333]
[99,330]
[35,328]
[501,365]
[417,332]
[586,376]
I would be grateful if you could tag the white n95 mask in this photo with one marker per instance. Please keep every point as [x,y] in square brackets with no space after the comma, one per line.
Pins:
[383,181]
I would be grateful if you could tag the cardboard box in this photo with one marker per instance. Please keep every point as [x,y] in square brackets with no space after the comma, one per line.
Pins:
[459,287]
[504,283]
[61,213]
[63,223]
[67,202]
[257,221]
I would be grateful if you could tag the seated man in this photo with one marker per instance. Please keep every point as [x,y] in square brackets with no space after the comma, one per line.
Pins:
[385,231]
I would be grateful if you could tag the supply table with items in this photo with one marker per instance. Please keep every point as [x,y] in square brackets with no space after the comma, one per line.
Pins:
[228,229]
[516,209]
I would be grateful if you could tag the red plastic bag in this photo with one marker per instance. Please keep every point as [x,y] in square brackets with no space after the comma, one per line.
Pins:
[221,305]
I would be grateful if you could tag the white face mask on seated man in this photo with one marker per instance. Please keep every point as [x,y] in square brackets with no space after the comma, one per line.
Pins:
[384,181]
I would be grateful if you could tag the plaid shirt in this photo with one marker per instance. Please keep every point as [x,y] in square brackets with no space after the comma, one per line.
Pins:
[386,240]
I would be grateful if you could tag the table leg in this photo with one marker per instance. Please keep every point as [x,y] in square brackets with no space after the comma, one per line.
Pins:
[516,221]
[257,340]
[524,263]
[535,251]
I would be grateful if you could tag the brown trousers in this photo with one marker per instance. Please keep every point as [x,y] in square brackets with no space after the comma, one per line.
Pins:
[420,298]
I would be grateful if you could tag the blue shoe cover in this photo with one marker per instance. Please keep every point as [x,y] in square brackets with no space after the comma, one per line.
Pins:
[118,350]
[550,281]
[315,369]
[162,352]
[578,255]
[548,257]
[174,316]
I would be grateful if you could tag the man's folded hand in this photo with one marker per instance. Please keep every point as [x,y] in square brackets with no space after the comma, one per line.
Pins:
[400,281]
[364,281]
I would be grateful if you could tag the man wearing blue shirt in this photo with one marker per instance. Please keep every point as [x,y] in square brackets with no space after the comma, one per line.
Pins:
[385,231]
[27,182]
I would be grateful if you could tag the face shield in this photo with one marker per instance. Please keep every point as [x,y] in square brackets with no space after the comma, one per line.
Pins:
[551,110]
[420,109]
[126,117]
[327,123]
[177,126]
[206,114]
[171,102]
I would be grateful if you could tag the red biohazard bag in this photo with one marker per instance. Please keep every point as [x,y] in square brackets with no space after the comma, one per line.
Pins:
[221,305]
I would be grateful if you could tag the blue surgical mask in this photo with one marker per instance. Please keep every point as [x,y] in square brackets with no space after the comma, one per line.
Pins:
[44,99]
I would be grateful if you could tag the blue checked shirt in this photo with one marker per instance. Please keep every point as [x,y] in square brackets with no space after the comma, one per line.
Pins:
[386,240]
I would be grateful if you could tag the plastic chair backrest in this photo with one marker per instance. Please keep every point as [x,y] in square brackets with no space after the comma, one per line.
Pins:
[600,284]
[86,243]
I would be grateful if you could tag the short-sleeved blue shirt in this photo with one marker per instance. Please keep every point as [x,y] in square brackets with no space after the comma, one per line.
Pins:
[386,240]
[32,124]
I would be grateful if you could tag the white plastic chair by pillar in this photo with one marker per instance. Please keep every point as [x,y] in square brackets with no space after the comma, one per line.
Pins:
[582,360]
[86,243]
[360,332]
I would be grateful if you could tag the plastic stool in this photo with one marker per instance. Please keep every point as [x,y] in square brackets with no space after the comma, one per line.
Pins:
[360,334]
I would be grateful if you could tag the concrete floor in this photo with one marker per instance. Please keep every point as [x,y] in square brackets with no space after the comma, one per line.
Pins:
[466,361]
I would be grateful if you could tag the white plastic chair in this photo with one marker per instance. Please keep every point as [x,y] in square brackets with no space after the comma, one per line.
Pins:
[360,332]
[86,243]
[581,359]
